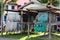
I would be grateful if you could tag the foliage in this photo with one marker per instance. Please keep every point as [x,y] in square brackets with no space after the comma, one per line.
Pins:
[43,1]
[13,0]
[0,7]
[55,2]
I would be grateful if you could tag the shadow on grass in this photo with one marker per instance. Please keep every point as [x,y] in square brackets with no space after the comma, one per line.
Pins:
[14,36]
[18,35]
[54,37]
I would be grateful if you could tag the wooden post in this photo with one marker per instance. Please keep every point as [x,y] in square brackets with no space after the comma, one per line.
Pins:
[21,21]
[49,25]
[28,30]
[28,24]
[51,3]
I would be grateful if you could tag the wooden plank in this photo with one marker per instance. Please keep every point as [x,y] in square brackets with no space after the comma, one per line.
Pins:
[53,8]
[55,23]
[50,19]
[28,29]
[43,9]
[28,25]
[22,10]
[21,21]
[49,25]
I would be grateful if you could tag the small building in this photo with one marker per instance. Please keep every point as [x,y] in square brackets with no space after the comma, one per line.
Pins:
[12,18]
[30,12]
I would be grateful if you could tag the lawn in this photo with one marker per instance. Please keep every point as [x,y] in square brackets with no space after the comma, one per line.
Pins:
[33,36]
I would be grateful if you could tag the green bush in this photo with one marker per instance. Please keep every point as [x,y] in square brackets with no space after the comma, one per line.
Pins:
[13,0]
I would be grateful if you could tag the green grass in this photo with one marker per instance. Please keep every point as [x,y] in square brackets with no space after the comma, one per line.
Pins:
[33,36]
[54,37]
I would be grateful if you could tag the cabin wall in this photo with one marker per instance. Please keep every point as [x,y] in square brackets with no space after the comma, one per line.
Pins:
[31,18]
[40,23]
[11,7]
[53,18]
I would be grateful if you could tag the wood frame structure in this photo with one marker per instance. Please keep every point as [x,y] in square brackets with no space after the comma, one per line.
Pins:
[36,11]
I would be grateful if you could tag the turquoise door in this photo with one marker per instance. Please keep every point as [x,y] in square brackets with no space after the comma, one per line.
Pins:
[40,25]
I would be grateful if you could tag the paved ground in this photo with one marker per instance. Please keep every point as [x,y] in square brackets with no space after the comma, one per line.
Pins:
[7,39]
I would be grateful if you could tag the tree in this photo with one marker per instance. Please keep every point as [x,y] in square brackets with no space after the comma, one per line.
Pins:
[13,0]
[47,2]
[0,7]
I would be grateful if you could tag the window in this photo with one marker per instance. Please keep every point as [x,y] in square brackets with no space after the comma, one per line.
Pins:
[58,18]
[13,7]
[25,18]
[6,6]
[31,18]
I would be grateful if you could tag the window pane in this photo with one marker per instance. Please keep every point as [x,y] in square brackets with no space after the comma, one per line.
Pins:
[6,6]
[13,7]
[58,18]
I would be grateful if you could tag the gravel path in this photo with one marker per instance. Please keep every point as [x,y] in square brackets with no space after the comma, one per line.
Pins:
[7,39]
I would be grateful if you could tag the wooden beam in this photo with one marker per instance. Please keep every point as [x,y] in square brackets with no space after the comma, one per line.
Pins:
[56,12]
[50,15]
[21,21]
[57,9]
[38,10]
[53,8]
[50,25]
[22,10]
[28,24]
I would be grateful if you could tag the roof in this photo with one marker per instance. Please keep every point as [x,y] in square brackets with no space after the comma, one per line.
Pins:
[55,9]
[11,3]
[36,6]
[35,1]
[21,2]
[26,5]
[32,6]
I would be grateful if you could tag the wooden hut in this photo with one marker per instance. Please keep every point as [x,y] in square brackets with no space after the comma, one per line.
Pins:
[56,17]
[12,16]
[31,10]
